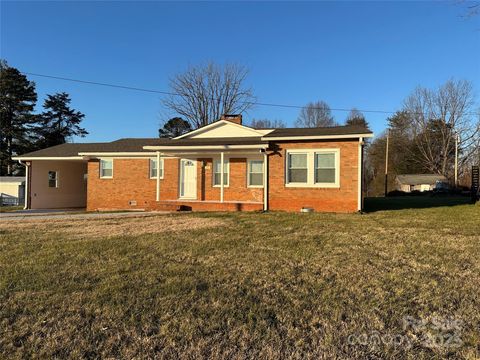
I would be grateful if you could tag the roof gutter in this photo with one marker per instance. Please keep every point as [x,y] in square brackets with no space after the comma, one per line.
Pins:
[120,154]
[21,158]
[206,147]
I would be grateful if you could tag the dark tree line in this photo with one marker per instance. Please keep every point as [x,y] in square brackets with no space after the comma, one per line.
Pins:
[21,129]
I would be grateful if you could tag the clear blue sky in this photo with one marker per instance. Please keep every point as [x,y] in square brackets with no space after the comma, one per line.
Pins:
[368,55]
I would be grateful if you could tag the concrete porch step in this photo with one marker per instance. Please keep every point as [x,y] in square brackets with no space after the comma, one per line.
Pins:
[185,205]
[167,206]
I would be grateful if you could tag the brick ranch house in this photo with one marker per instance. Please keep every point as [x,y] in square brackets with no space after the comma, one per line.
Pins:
[222,166]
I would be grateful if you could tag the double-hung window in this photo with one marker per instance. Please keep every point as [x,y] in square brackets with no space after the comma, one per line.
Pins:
[313,168]
[106,168]
[325,168]
[255,173]
[297,168]
[154,169]
[217,172]
[53,179]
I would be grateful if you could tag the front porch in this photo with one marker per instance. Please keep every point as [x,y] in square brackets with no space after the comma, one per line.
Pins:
[211,180]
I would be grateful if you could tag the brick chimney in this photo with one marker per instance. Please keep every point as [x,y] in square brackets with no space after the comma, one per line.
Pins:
[235,118]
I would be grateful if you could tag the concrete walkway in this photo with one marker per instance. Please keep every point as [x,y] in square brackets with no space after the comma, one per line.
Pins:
[72,214]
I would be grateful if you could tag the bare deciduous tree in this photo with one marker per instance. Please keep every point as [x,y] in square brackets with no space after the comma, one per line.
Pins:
[203,93]
[472,8]
[437,117]
[267,123]
[315,114]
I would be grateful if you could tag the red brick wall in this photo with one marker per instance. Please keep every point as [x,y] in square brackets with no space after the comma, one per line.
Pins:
[343,199]
[131,181]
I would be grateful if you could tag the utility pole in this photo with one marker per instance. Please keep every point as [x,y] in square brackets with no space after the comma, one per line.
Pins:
[386,164]
[456,159]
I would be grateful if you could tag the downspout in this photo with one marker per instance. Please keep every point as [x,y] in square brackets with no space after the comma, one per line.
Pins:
[360,174]
[27,184]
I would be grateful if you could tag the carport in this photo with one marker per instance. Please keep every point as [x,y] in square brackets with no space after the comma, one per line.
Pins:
[55,184]
[55,178]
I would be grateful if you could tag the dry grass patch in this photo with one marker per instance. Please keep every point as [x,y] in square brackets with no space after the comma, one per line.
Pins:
[113,227]
[248,285]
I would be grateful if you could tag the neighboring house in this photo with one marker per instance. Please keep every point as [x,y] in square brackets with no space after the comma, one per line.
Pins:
[277,169]
[420,182]
[12,190]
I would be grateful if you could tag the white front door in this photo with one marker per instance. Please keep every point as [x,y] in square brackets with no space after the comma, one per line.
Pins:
[188,179]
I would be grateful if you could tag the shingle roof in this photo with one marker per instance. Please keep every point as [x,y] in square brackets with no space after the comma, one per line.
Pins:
[321,131]
[63,150]
[137,144]
[131,144]
[419,179]
[73,149]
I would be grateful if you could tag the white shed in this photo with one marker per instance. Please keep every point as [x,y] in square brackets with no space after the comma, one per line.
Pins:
[12,190]
[419,182]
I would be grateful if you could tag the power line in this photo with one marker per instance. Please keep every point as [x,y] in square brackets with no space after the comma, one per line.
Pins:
[176,94]
[101,84]
[335,109]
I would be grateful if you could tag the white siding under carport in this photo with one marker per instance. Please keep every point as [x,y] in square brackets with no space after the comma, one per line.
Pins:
[72,186]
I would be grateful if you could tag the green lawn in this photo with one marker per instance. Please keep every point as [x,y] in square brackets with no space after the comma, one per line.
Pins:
[244,285]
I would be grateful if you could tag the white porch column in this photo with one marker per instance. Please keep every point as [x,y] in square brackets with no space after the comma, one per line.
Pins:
[222,170]
[158,176]
[265,181]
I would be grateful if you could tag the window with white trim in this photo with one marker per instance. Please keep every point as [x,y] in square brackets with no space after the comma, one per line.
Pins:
[325,168]
[297,168]
[106,168]
[154,168]
[313,168]
[53,179]
[255,173]
[217,172]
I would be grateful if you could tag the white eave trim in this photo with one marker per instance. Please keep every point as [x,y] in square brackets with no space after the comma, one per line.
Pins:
[215,124]
[317,137]
[206,147]
[47,158]
[115,154]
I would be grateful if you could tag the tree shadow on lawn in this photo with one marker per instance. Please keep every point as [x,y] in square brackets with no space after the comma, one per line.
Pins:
[374,204]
